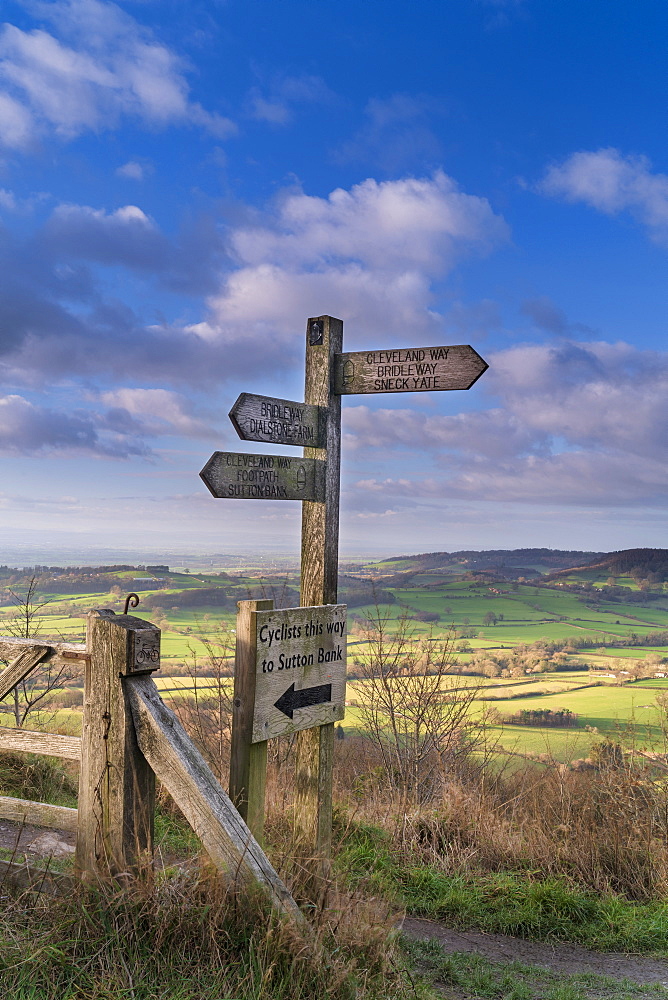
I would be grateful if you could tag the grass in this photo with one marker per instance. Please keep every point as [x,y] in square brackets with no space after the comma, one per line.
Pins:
[186,937]
[503,902]
[470,975]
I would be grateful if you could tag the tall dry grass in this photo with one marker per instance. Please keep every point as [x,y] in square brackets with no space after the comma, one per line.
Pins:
[189,936]
[605,827]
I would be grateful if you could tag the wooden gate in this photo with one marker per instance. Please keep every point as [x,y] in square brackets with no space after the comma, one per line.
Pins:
[129,737]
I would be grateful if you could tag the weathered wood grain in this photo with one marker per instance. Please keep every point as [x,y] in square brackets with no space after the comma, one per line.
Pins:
[59,653]
[116,784]
[185,774]
[299,650]
[22,875]
[248,761]
[38,813]
[277,421]
[235,476]
[49,744]
[23,664]
[319,576]
[409,369]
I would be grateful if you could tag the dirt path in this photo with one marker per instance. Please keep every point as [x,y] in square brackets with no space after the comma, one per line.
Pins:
[570,959]
[35,840]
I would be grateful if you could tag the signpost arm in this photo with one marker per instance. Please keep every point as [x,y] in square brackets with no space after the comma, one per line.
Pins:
[248,761]
[319,575]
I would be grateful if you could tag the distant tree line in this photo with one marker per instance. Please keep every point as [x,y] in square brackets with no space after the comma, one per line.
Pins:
[559,718]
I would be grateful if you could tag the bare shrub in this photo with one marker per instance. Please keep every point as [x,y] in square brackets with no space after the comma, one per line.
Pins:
[420,720]
[605,827]
[206,709]
[31,695]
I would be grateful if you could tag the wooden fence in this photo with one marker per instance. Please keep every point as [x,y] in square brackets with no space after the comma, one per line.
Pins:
[129,737]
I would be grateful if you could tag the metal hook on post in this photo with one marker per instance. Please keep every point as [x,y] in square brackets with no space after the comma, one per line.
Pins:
[131,601]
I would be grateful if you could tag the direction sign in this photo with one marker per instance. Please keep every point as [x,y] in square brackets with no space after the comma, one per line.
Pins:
[231,475]
[276,421]
[300,671]
[408,369]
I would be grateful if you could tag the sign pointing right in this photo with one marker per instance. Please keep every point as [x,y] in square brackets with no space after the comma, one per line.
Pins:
[408,369]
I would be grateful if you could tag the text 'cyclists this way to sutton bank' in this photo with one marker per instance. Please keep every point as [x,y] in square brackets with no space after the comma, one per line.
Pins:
[300,672]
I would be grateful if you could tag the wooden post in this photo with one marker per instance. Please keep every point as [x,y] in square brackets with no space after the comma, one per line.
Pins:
[248,761]
[319,577]
[116,784]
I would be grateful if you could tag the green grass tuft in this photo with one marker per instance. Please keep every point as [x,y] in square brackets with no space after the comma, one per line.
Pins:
[504,903]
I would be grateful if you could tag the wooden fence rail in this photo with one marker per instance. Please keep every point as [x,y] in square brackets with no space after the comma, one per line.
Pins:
[129,737]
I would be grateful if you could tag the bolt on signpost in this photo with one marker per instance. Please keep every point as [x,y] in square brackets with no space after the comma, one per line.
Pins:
[290,665]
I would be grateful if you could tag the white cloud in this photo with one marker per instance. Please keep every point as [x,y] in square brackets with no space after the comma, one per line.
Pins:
[613,183]
[396,134]
[125,236]
[577,423]
[132,170]
[8,200]
[102,66]
[157,411]
[368,255]
[28,429]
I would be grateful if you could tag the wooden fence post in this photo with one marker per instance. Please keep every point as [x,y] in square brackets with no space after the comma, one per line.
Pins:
[248,761]
[319,578]
[116,784]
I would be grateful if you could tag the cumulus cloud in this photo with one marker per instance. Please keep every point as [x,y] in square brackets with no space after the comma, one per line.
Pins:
[578,423]
[99,66]
[119,424]
[125,236]
[155,411]
[371,254]
[28,429]
[368,254]
[613,183]
[132,170]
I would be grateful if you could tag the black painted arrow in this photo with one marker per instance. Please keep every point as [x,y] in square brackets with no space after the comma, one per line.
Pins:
[291,700]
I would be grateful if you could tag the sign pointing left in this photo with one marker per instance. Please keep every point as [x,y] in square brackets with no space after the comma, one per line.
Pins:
[291,700]
[276,421]
[231,475]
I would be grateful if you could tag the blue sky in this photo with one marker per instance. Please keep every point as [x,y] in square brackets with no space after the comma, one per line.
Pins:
[183,184]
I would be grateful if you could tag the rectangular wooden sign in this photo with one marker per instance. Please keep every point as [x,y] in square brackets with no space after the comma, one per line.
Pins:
[231,475]
[276,421]
[408,369]
[300,674]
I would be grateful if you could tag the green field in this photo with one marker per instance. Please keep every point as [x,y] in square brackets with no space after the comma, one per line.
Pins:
[491,618]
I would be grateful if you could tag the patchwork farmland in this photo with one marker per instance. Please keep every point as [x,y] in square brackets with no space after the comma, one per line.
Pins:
[533,637]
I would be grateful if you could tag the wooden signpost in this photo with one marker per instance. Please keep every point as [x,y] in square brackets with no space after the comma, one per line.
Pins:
[290,675]
[300,669]
[276,421]
[234,476]
[408,369]
[277,688]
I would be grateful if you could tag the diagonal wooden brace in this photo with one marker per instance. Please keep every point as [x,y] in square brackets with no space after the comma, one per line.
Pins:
[19,668]
[183,771]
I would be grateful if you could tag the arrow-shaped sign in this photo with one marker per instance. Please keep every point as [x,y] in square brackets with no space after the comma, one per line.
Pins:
[231,475]
[276,421]
[408,369]
[291,700]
